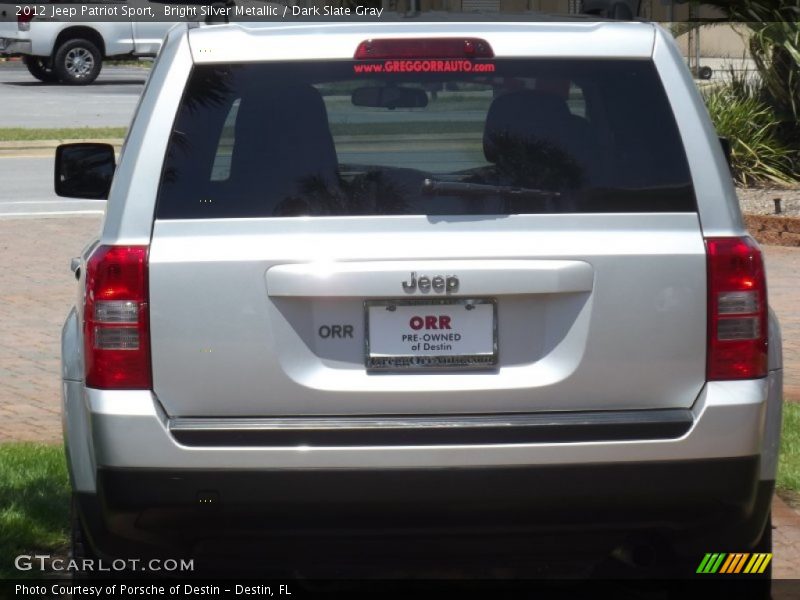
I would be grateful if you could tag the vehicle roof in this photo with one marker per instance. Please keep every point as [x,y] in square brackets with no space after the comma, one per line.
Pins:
[247,42]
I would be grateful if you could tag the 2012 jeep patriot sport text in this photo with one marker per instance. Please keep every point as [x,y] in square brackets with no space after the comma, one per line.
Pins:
[482,281]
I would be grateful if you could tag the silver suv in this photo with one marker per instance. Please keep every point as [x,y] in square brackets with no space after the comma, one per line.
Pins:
[482,282]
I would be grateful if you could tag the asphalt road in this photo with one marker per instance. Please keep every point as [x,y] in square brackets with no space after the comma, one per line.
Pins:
[27,182]
[109,102]
[27,190]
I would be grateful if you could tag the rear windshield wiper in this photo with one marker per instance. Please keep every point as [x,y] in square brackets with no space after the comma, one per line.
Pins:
[460,188]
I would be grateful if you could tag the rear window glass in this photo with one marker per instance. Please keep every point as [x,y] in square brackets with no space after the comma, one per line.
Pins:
[347,138]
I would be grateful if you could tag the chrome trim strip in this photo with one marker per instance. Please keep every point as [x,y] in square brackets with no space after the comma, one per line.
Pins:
[423,430]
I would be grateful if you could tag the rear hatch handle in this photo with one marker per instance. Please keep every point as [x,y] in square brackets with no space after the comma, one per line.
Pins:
[384,279]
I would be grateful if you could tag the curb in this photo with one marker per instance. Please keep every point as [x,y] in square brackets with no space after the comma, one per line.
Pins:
[51,144]
[34,148]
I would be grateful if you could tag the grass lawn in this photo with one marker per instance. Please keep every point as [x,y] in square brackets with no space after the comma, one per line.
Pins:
[22,134]
[789,469]
[389,128]
[144,63]
[34,493]
[34,502]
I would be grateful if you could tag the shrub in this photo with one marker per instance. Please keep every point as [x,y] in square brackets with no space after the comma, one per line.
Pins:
[758,155]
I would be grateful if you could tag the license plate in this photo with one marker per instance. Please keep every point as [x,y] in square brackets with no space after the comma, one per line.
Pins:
[422,334]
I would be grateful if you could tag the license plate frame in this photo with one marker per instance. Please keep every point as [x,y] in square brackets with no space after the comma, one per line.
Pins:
[426,361]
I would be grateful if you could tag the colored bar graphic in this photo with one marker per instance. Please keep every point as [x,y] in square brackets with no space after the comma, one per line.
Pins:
[755,562]
[703,564]
[716,565]
[767,559]
[735,563]
[727,564]
[740,564]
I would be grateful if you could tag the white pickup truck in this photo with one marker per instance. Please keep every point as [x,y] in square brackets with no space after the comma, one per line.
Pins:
[57,48]
[72,52]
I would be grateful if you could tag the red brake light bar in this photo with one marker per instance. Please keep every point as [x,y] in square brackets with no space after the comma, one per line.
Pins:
[424,48]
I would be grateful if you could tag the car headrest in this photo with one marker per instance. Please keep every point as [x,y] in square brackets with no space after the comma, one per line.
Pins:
[283,136]
[527,115]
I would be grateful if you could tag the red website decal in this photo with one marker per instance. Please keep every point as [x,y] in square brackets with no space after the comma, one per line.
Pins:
[425,66]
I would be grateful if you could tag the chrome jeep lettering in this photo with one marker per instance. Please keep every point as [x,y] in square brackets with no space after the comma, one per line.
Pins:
[440,284]
[410,286]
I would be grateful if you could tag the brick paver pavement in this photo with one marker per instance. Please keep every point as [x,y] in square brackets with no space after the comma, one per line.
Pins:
[783,279]
[37,289]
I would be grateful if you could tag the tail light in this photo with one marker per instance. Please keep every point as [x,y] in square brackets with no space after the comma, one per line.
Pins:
[737,310]
[24,18]
[424,48]
[115,324]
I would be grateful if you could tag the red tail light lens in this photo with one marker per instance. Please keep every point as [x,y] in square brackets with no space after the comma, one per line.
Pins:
[424,48]
[24,18]
[737,310]
[116,327]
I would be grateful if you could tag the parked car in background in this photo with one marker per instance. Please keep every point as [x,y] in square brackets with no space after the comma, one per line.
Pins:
[519,315]
[72,51]
[7,19]
[60,48]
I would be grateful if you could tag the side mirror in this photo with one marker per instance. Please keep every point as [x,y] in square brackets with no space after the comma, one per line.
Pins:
[84,170]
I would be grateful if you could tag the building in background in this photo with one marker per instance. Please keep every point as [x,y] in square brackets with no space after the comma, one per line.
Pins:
[722,41]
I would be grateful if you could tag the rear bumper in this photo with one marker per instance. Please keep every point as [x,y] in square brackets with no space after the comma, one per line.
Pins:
[690,490]
[144,491]
[128,430]
[687,505]
[14,46]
